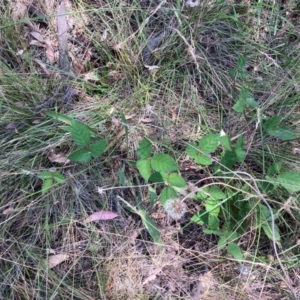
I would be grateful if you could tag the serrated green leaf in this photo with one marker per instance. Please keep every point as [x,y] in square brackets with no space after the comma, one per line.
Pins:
[222,242]
[80,155]
[235,250]
[212,206]
[251,102]
[290,180]
[167,193]
[216,193]
[225,141]
[144,168]
[150,226]
[163,163]
[210,231]
[239,106]
[240,142]
[272,123]
[229,159]
[98,148]
[203,160]
[266,187]
[240,154]
[213,222]
[274,169]
[201,217]
[284,133]
[58,177]
[47,184]
[176,180]
[209,143]
[203,193]
[144,150]
[45,175]
[80,134]
[192,150]
[157,177]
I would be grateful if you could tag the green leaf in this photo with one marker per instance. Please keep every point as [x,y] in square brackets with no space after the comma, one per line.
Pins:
[240,154]
[150,226]
[284,133]
[144,168]
[266,187]
[209,143]
[144,150]
[272,123]
[290,180]
[201,217]
[80,134]
[203,193]
[240,142]
[222,242]
[98,148]
[176,180]
[80,155]
[216,193]
[274,169]
[58,177]
[167,193]
[239,106]
[251,102]
[235,250]
[213,222]
[192,150]
[202,159]
[229,159]
[59,117]
[212,206]
[225,141]
[163,163]
[210,231]
[157,177]
[67,120]
[45,175]
[267,228]
[47,184]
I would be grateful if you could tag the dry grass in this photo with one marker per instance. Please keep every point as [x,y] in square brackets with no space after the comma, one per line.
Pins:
[189,95]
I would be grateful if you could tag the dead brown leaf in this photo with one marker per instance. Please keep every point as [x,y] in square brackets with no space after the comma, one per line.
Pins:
[8,211]
[91,76]
[147,120]
[119,135]
[55,260]
[102,215]
[38,36]
[37,43]
[50,52]
[152,276]
[296,151]
[59,158]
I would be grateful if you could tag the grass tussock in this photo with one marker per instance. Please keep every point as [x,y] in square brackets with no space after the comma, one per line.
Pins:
[171,73]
